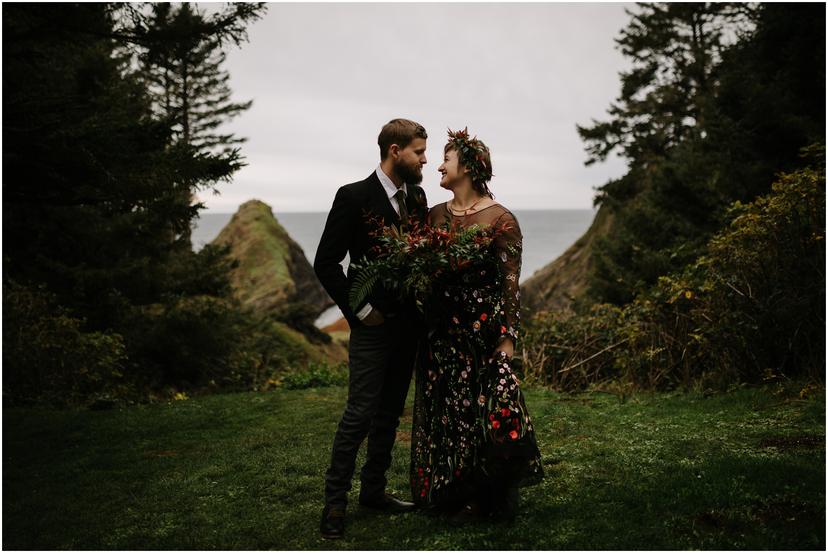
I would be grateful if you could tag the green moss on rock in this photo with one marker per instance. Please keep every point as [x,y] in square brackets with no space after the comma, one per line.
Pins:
[273,271]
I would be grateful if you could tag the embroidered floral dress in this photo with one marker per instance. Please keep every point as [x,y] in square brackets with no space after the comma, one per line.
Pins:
[471,426]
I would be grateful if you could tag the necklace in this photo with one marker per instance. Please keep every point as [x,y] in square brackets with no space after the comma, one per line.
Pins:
[466,210]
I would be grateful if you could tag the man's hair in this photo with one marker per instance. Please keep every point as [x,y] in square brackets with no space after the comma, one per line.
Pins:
[400,132]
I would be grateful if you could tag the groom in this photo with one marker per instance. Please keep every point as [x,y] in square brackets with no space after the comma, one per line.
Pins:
[383,343]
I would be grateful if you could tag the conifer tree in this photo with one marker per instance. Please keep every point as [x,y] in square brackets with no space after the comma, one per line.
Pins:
[661,209]
[92,191]
[673,48]
[183,66]
[714,105]
[182,58]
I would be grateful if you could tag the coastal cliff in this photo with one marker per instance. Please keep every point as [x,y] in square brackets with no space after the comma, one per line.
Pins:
[558,284]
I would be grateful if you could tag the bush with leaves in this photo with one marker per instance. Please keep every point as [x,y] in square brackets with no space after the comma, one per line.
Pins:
[573,352]
[98,204]
[753,306]
[316,375]
[719,98]
[48,356]
[761,296]
[302,317]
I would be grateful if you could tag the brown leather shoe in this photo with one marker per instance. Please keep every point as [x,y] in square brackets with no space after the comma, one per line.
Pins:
[332,525]
[387,503]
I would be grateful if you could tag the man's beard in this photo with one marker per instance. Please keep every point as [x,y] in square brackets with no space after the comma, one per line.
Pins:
[409,174]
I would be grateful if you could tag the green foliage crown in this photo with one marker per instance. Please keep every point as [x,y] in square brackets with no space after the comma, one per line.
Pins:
[473,154]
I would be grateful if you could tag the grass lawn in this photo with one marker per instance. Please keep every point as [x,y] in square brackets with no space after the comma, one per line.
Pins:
[743,470]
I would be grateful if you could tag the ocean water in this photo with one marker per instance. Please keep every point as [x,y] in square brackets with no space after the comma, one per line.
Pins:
[546,235]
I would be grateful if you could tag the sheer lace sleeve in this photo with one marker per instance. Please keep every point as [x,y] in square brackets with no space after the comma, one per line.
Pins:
[509,248]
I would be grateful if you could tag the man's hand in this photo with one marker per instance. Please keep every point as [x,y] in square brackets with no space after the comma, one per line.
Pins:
[373,318]
[507,347]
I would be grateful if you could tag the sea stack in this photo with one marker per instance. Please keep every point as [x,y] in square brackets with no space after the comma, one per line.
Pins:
[273,274]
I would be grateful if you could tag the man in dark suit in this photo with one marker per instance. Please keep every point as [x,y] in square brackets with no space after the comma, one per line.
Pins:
[383,338]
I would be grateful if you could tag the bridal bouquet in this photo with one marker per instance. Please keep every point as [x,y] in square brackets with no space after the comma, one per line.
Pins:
[411,261]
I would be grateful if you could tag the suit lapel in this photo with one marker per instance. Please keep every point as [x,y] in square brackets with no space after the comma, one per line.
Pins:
[381,205]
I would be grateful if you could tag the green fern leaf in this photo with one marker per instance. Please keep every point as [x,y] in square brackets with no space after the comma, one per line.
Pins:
[362,286]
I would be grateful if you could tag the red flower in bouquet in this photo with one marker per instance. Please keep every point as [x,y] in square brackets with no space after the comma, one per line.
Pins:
[410,261]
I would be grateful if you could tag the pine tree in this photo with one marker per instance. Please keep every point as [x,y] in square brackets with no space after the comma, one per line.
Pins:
[182,63]
[715,104]
[673,48]
[661,209]
[184,69]
[91,194]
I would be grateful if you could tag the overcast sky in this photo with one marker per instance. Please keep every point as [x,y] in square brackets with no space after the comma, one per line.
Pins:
[324,78]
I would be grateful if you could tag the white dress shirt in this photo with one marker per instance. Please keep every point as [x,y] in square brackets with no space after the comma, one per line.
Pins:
[390,189]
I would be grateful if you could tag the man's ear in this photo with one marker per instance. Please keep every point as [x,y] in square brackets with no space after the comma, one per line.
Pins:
[394,151]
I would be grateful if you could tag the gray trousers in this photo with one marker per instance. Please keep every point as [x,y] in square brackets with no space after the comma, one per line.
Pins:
[381,361]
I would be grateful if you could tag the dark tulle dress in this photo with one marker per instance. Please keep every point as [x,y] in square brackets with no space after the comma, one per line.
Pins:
[472,433]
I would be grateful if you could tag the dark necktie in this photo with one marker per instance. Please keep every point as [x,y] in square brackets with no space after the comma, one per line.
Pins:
[400,195]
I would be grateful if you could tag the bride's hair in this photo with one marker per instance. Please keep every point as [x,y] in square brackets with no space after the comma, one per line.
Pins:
[474,155]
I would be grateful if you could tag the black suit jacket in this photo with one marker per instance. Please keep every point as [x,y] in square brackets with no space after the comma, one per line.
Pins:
[346,231]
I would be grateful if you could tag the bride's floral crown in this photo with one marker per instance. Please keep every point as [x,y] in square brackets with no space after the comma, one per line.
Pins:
[473,154]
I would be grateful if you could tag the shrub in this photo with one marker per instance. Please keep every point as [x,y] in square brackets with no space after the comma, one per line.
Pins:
[184,342]
[761,289]
[573,352]
[200,341]
[267,349]
[302,316]
[753,306]
[47,354]
[316,375]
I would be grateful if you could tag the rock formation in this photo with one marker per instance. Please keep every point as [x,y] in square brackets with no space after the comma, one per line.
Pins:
[273,273]
[274,279]
[555,286]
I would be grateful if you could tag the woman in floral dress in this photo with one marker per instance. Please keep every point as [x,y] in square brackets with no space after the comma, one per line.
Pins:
[473,442]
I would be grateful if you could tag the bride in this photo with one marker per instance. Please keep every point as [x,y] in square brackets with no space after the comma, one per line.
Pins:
[473,442]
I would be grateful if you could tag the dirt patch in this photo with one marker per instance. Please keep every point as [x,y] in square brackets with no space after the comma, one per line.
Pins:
[340,325]
[403,436]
